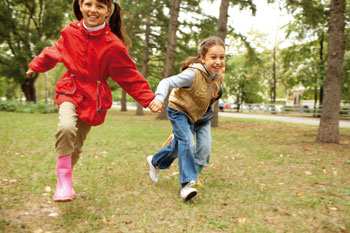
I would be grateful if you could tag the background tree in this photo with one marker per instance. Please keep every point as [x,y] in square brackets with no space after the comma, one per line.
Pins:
[25,28]
[169,60]
[329,124]
[221,32]
[310,21]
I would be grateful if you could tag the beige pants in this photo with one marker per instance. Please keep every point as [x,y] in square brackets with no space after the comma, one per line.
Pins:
[71,132]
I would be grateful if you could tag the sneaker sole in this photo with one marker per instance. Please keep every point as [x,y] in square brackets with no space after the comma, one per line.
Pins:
[190,196]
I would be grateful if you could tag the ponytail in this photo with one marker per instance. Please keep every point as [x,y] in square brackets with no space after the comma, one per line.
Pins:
[76,10]
[117,27]
[115,20]
[189,61]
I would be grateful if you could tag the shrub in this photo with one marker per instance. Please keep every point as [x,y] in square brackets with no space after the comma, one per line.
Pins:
[28,107]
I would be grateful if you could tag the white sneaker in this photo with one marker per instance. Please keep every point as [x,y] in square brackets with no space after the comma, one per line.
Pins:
[187,192]
[153,171]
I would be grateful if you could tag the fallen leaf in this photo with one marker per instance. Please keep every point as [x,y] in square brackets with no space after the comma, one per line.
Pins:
[308,173]
[53,214]
[333,208]
[47,189]
[37,230]
[174,173]
[241,219]
[299,193]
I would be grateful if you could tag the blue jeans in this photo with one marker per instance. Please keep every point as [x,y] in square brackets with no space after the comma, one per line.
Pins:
[203,144]
[183,144]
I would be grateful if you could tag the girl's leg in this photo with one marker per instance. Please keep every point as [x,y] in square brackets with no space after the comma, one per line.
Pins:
[83,130]
[183,134]
[65,137]
[165,157]
[67,129]
[203,146]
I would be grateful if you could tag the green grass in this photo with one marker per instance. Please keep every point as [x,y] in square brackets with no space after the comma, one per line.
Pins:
[263,177]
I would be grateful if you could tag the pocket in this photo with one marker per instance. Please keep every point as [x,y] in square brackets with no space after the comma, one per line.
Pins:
[104,97]
[66,85]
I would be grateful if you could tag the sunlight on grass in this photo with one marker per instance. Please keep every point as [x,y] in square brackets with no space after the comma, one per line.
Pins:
[263,177]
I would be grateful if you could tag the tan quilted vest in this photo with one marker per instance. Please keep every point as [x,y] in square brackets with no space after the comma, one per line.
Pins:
[195,100]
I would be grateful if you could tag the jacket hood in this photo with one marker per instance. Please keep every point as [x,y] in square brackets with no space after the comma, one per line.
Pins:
[199,66]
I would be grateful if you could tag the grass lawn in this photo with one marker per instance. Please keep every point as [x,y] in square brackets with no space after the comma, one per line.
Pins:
[263,177]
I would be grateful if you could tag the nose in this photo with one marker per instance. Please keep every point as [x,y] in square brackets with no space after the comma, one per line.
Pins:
[93,8]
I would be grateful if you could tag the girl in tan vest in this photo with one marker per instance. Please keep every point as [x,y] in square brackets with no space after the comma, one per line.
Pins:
[192,91]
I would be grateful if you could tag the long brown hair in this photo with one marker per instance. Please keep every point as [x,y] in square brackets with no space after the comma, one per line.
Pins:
[115,20]
[203,49]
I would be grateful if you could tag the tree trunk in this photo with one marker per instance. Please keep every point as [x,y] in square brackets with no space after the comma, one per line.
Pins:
[145,58]
[123,102]
[328,131]
[221,31]
[170,53]
[321,72]
[28,89]
[273,88]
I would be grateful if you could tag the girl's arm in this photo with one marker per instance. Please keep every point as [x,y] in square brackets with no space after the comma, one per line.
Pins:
[184,79]
[122,70]
[47,59]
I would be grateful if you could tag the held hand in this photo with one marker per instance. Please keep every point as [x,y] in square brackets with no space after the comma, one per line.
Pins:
[156,106]
[30,72]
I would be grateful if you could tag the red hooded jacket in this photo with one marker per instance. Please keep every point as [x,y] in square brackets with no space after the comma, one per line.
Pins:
[92,57]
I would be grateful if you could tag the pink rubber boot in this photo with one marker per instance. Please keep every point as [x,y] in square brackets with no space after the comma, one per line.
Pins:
[64,189]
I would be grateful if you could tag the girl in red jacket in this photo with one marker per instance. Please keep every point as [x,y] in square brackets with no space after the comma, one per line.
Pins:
[91,50]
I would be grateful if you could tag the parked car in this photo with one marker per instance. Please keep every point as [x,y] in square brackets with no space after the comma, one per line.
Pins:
[225,105]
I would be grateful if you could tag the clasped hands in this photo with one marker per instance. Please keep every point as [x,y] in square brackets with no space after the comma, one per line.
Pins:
[155,106]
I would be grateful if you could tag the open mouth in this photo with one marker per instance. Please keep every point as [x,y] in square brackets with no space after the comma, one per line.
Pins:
[92,17]
[216,69]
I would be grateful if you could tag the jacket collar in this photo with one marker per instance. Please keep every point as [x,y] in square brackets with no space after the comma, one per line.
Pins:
[105,30]
[203,68]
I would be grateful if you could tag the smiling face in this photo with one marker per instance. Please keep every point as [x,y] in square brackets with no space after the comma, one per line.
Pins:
[214,59]
[94,12]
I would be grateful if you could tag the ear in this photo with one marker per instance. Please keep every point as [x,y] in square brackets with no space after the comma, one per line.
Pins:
[202,58]
[109,12]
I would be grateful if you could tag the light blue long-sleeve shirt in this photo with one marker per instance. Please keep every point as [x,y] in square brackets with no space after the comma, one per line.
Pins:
[184,79]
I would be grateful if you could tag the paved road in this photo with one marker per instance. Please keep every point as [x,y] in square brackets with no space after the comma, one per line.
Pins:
[289,119]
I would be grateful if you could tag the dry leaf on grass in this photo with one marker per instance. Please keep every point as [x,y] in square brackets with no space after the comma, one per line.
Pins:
[37,230]
[241,219]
